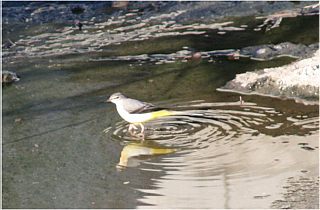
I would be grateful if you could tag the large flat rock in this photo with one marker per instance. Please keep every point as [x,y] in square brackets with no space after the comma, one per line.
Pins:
[299,80]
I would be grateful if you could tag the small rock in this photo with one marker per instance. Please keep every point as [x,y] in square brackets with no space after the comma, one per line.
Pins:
[307,148]
[17,120]
[260,196]
[261,51]
[9,77]
[286,206]
[120,4]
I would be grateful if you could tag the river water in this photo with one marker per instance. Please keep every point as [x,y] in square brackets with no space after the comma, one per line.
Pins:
[64,147]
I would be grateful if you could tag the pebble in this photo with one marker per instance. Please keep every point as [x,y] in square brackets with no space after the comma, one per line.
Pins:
[260,196]
[17,120]
[286,206]
[307,148]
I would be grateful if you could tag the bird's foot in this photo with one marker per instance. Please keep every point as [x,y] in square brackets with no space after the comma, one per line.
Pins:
[141,136]
[131,128]
[133,131]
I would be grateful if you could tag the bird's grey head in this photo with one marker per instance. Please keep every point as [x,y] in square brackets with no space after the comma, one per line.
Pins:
[116,97]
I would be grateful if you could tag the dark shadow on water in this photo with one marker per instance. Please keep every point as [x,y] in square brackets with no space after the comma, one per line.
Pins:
[46,132]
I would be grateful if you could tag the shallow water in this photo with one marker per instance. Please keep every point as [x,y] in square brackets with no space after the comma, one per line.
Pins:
[218,150]
[64,147]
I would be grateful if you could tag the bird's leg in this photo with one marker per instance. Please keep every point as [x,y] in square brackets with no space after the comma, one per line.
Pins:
[142,127]
[132,127]
[141,134]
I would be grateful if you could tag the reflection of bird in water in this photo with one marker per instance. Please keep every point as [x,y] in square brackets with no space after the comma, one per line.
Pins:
[9,77]
[136,112]
[131,152]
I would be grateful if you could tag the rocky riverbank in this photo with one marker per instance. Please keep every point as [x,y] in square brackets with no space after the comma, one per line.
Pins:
[105,25]
[90,27]
[62,12]
[299,80]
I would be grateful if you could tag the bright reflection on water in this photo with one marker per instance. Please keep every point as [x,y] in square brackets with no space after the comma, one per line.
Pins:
[218,155]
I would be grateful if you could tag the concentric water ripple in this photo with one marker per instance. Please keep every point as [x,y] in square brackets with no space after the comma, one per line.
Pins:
[201,124]
[207,146]
[202,130]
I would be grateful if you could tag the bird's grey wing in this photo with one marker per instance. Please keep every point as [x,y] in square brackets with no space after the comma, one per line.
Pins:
[135,106]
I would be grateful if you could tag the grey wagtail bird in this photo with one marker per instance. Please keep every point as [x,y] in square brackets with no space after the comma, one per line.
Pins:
[136,112]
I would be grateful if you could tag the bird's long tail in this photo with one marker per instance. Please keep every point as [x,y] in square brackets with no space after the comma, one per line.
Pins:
[163,113]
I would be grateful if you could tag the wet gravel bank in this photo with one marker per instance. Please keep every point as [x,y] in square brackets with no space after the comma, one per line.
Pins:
[300,193]
[62,12]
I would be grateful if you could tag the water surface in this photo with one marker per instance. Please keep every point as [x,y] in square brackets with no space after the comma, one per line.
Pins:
[64,147]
